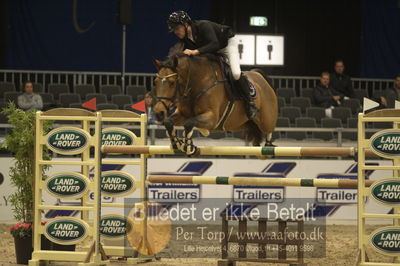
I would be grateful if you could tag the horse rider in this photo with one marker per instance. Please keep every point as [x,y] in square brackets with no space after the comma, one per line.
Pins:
[203,36]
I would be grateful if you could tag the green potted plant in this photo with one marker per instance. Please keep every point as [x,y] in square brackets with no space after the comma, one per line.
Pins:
[22,233]
[21,142]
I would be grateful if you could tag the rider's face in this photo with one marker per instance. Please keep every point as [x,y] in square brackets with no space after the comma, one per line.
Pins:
[180,31]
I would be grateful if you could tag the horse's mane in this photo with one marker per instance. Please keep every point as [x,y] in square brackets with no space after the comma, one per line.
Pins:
[171,61]
[214,57]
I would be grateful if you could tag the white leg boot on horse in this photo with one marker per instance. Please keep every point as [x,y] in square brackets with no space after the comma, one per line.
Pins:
[268,141]
[205,120]
[169,123]
[187,144]
[176,143]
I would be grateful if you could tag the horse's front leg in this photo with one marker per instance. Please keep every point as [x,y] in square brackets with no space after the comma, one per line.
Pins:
[206,121]
[176,119]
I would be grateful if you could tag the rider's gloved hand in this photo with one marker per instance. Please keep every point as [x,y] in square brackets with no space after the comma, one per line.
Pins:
[191,52]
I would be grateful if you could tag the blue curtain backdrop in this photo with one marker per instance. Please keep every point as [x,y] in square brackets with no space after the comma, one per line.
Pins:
[41,34]
[380,39]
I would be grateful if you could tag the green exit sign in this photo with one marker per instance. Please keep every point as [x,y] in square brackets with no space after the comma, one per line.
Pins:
[258,21]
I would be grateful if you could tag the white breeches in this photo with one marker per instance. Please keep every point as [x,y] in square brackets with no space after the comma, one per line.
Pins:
[232,52]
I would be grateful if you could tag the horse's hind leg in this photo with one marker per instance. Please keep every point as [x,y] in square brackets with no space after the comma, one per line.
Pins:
[268,116]
[268,140]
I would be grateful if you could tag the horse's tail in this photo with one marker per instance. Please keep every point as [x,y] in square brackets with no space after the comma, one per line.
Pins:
[265,76]
[253,133]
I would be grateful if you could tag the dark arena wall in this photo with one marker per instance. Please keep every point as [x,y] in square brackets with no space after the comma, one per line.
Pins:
[40,35]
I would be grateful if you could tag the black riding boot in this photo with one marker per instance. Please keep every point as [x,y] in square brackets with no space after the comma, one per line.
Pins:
[251,108]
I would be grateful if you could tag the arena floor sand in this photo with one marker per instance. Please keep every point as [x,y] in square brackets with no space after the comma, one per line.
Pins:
[341,250]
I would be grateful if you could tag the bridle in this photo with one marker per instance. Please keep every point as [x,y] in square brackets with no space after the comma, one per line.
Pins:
[161,99]
[174,100]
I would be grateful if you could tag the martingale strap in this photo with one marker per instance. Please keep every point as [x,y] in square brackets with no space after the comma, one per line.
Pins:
[225,116]
[163,78]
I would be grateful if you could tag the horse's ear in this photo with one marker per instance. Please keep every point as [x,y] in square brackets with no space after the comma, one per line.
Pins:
[157,63]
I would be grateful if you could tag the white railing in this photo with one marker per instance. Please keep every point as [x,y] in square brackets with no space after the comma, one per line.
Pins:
[146,79]
[301,82]
[18,77]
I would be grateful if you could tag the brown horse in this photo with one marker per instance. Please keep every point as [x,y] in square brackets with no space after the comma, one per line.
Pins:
[194,88]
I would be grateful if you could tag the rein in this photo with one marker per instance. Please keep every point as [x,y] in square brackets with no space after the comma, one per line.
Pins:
[186,91]
[203,91]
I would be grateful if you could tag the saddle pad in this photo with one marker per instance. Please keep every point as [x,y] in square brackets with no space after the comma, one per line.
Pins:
[253,91]
[230,86]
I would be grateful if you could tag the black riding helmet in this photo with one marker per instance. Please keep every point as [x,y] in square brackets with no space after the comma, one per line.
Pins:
[178,18]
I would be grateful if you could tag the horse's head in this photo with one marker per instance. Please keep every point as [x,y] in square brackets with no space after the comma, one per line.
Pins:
[166,87]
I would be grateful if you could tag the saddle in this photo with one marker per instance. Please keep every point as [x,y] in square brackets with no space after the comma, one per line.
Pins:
[231,87]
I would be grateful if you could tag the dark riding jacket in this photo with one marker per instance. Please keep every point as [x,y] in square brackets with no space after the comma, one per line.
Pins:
[323,96]
[342,84]
[209,37]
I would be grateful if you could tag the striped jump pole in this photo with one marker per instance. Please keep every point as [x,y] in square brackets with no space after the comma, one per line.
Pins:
[257,181]
[240,151]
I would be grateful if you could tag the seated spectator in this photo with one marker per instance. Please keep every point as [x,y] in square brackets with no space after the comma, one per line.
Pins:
[390,95]
[325,96]
[29,100]
[148,101]
[340,81]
